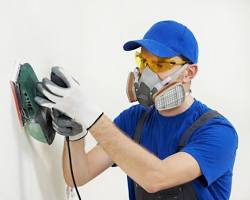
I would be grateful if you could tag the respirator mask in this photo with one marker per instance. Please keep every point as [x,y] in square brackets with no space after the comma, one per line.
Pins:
[145,86]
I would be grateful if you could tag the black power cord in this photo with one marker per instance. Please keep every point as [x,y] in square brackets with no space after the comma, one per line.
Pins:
[59,81]
[71,169]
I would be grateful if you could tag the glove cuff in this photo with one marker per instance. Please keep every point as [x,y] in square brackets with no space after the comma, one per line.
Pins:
[78,136]
[95,121]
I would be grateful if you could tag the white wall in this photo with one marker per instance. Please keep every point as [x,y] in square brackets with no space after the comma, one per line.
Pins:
[87,37]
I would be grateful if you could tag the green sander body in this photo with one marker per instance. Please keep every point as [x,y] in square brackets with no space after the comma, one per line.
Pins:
[35,119]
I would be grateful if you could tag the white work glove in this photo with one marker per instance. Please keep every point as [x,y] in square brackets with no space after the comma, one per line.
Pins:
[69,100]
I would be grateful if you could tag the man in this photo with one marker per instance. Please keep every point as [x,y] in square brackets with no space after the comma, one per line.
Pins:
[166,164]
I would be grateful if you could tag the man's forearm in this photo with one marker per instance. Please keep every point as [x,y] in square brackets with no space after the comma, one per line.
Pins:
[134,160]
[79,162]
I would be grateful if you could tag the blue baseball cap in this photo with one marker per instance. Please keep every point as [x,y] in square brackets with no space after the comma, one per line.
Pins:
[167,39]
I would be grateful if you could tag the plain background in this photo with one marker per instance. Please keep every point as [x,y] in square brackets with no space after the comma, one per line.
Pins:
[86,37]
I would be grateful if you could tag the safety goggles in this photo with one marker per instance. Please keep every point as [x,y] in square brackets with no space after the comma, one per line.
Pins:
[162,65]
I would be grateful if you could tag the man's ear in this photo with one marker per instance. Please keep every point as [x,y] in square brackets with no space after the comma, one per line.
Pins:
[190,73]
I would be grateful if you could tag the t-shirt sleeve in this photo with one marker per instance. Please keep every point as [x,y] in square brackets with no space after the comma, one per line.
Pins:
[214,147]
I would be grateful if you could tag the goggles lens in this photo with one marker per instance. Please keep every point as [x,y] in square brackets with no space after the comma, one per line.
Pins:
[162,65]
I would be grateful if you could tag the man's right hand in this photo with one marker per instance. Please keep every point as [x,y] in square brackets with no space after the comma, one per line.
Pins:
[62,124]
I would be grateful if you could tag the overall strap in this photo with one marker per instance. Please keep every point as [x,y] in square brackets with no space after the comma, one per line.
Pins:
[139,126]
[137,136]
[205,117]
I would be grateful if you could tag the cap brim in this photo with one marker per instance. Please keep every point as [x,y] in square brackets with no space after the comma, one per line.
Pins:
[152,46]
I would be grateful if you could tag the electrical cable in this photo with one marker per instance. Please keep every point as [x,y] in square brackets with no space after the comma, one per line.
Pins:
[59,81]
[71,169]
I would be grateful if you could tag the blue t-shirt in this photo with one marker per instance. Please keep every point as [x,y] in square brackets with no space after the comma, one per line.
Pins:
[213,145]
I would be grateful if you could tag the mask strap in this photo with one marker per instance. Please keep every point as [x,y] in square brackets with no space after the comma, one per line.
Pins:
[136,74]
[188,92]
[171,77]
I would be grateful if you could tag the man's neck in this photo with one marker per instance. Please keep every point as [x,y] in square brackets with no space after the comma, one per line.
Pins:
[182,108]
